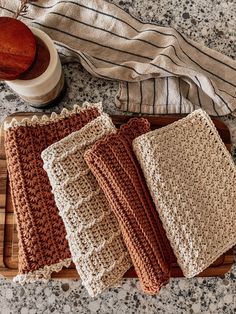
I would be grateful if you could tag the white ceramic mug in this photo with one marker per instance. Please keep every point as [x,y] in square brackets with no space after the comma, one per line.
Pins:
[42,90]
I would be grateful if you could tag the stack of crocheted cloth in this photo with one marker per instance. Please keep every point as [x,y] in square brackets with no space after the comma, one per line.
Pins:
[95,240]
[191,176]
[115,167]
[43,247]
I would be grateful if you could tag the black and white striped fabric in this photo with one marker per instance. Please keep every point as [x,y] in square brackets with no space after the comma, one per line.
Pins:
[160,71]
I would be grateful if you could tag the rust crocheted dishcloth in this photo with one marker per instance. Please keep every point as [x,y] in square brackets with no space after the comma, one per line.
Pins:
[114,165]
[43,247]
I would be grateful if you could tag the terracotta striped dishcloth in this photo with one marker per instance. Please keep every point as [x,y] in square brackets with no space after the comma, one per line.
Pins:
[43,247]
[115,167]
[98,251]
[191,177]
[159,69]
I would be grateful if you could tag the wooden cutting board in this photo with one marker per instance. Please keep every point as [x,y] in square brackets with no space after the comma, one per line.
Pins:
[8,232]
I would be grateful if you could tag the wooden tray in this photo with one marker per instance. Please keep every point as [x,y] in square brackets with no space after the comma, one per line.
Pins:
[8,232]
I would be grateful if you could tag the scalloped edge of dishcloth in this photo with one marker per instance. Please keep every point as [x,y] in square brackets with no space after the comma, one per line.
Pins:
[42,274]
[65,113]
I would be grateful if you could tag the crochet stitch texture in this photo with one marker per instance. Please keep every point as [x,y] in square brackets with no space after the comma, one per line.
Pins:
[191,177]
[114,165]
[43,247]
[94,237]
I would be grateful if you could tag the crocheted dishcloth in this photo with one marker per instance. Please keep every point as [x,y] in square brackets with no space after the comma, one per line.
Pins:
[98,251]
[114,165]
[43,247]
[191,177]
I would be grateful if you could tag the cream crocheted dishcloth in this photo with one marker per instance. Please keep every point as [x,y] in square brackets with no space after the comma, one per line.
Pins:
[191,177]
[95,240]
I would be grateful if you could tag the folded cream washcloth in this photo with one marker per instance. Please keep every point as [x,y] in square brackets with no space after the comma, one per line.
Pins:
[94,237]
[159,69]
[191,177]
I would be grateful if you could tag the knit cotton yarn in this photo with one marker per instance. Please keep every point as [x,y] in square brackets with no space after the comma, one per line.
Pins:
[191,177]
[115,167]
[43,247]
[94,237]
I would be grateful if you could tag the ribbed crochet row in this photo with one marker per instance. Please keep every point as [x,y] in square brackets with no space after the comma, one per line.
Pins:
[191,177]
[43,247]
[94,237]
[115,167]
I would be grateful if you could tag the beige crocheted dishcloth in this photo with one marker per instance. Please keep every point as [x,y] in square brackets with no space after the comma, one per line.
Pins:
[191,177]
[95,240]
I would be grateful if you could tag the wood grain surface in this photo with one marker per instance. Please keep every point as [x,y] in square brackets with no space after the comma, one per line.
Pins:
[17,48]
[8,231]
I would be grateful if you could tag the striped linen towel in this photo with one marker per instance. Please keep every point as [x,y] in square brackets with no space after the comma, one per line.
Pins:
[160,71]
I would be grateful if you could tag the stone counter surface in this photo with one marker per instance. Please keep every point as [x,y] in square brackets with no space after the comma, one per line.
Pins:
[209,22]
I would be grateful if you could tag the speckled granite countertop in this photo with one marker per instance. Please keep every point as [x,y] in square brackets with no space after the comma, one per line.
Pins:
[212,23]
